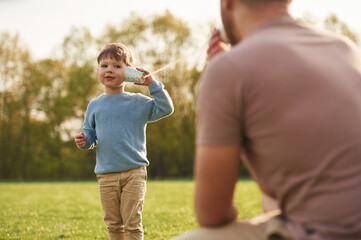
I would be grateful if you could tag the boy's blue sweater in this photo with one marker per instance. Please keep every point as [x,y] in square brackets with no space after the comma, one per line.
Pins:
[116,125]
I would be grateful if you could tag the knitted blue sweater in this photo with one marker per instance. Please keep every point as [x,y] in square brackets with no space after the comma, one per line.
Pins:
[116,125]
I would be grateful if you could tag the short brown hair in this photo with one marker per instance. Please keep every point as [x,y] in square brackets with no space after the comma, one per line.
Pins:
[119,51]
[255,2]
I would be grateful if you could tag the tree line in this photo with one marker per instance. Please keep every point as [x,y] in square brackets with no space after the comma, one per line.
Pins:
[43,102]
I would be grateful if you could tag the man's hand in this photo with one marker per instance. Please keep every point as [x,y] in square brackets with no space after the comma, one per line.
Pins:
[216,44]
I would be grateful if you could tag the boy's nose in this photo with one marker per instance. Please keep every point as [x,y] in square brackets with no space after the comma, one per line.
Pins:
[110,70]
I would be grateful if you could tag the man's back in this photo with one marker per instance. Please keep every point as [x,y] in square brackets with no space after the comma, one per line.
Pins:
[294,94]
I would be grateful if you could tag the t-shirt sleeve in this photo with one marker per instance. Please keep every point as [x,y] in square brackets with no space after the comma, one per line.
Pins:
[219,105]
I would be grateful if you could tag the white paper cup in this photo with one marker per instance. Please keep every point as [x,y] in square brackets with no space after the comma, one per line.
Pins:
[133,75]
[223,34]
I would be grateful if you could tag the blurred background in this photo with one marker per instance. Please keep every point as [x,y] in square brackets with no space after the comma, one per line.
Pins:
[48,75]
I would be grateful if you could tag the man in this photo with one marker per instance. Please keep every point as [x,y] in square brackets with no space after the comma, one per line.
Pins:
[288,98]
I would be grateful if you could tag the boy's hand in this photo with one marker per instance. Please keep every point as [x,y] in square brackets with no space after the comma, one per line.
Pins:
[80,140]
[148,79]
[216,44]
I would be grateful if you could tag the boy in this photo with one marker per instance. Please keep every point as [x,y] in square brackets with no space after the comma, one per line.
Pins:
[115,123]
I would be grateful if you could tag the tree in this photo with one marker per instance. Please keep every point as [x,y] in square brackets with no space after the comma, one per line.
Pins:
[333,23]
[15,58]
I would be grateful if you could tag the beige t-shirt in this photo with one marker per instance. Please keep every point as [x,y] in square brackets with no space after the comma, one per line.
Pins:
[291,96]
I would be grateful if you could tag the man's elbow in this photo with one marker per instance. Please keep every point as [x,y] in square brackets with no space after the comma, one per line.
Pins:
[212,220]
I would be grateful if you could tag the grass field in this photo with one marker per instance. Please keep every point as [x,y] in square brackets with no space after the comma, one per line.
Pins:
[72,210]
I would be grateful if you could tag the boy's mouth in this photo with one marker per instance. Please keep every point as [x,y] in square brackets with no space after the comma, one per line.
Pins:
[109,78]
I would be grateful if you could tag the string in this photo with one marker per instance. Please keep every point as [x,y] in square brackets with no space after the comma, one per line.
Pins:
[223,36]
[173,63]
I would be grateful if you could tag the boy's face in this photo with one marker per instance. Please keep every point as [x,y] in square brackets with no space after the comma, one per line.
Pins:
[110,74]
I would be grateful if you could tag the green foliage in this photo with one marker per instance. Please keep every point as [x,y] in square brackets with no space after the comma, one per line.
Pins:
[14,107]
[333,23]
[46,96]
[72,210]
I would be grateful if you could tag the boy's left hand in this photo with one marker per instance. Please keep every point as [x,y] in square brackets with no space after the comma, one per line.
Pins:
[148,80]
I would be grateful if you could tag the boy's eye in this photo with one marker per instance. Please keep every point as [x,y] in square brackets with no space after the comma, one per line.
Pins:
[104,66]
[117,66]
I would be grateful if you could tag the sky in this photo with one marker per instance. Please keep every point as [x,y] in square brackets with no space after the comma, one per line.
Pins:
[43,24]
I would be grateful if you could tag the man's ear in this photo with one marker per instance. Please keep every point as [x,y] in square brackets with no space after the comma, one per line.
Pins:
[227,4]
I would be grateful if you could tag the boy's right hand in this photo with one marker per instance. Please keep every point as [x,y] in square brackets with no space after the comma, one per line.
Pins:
[80,140]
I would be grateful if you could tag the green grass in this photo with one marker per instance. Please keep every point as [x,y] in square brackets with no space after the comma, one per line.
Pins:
[72,210]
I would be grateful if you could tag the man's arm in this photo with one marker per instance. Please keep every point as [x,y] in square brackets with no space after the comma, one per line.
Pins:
[216,174]
[216,44]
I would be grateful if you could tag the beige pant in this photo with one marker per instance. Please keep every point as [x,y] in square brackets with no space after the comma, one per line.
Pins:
[269,226]
[122,196]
